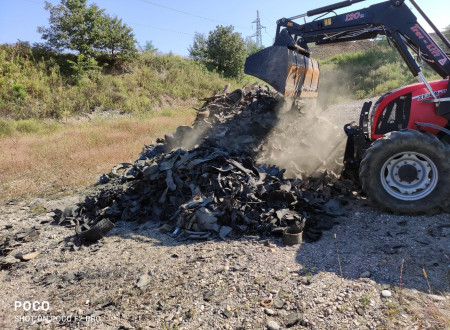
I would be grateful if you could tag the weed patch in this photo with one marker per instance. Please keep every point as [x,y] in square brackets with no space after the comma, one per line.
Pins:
[364,74]
[38,84]
[10,128]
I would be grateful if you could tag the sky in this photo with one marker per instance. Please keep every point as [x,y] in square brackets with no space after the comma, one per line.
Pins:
[171,24]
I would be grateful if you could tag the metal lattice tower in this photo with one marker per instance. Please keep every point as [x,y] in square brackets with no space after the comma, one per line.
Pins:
[259,28]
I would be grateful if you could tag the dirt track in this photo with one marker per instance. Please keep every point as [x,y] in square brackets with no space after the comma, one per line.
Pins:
[144,277]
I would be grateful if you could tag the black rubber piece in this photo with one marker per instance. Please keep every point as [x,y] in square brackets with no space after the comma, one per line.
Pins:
[292,236]
[396,142]
[96,232]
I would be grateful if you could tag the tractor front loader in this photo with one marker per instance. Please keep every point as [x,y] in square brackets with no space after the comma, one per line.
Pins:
[400,147]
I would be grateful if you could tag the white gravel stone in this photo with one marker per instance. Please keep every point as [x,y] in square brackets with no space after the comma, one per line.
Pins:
[386,293]
[272,325]
[269,311]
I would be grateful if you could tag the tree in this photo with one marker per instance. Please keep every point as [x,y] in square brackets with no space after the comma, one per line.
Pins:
[87,30]
[446,33]
[226,51]
[149,47]
[199,49]
[251,46]
[223,50]
[73,26]
[116,39]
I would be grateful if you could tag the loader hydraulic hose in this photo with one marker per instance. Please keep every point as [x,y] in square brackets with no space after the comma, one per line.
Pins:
[332,7]
[326,9]
[405,54]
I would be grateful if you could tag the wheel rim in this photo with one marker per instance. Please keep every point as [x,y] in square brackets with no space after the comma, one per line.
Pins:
[409,176]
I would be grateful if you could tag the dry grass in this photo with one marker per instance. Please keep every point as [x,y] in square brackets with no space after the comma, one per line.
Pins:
[74,156]
[429,314]
[416,310]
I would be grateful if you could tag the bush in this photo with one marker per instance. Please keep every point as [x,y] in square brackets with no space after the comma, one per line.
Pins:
[365,74]
[33,83]
[84,67]
[19,91]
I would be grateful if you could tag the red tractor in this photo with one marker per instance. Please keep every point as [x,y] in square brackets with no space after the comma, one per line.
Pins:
[401,148]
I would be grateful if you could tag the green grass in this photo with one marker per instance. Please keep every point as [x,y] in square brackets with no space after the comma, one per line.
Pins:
[10,127]
[37,85]
[364,74]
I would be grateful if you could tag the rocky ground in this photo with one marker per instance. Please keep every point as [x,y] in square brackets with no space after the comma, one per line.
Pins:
[367,272]
[371,270]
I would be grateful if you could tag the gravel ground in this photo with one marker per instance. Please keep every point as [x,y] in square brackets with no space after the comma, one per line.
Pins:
[142,277]
[373,270]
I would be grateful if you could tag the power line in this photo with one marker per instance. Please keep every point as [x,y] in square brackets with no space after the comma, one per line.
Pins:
[265,31]
[268,41]
[184,12]
[34,1]
[161,29]
[265,17]
[270,36]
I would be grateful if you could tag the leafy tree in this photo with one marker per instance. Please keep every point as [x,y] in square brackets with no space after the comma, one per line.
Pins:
[226,51]
[116,39]
[149,47]
[199,49]
[223,50]
[447,32]
[73,26]
[251,46]
[87,30]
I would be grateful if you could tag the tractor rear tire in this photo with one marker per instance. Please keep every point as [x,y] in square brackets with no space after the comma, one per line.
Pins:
[407,172]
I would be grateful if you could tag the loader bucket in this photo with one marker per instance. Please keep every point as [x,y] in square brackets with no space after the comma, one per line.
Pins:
[290,73]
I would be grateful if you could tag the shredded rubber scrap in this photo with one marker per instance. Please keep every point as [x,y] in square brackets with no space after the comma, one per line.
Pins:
[95,232]
[204,181]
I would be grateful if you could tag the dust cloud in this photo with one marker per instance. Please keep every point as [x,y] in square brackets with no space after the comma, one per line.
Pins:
[304,141]
[296,135]
[335,86]
[187,137]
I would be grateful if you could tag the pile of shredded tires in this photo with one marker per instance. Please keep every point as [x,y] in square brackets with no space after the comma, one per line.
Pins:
[203,182]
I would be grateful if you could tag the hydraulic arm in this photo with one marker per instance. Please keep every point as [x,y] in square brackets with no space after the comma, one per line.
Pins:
[390,18]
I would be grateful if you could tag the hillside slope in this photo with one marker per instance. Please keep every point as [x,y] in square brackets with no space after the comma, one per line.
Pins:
[362,74]
[39,84]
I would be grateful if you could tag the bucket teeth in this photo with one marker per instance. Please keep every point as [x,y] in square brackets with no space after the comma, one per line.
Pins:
[290,73]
